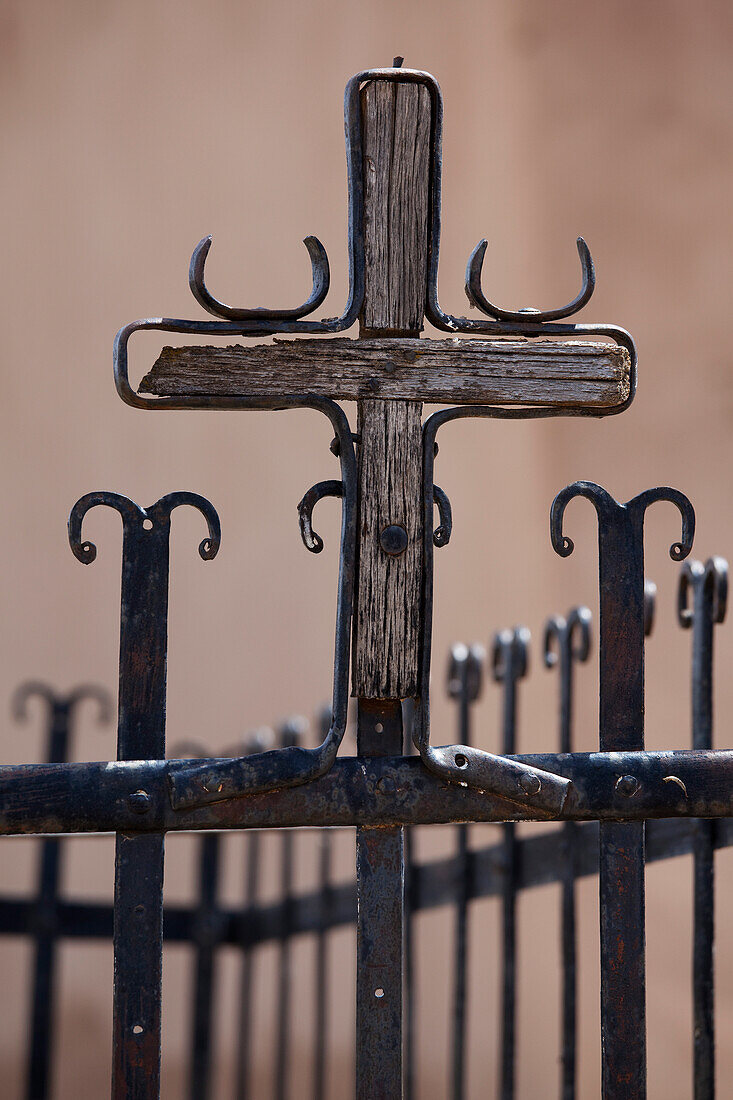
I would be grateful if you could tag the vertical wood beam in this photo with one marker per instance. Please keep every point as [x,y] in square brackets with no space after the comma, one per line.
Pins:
[396,131]
[396,137]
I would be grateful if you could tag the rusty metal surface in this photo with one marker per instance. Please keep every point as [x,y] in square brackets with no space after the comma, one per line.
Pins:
[702,602]
[621,727]
[60,712]
[138,929]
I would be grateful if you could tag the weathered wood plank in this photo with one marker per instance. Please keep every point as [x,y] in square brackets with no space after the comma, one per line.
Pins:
[396,123]
[388,597]
[439,371]
[396,139]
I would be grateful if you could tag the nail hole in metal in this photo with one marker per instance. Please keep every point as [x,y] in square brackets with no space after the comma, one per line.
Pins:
[379,992]
[461,761]
[138,1029]
[148,524]
[379,727]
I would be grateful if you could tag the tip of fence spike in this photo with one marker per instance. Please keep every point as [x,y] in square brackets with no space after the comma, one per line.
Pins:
[397,62]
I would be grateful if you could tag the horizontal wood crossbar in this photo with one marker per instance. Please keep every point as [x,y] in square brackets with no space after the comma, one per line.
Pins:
[497,372]
[96,797]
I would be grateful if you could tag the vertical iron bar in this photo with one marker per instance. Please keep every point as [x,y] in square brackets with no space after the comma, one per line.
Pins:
[408,940]
[205,940]
[244,1068]
[40,1047]
[260,741]
[509,664]
[45,911]
[563,631]
[380,893]
[708,585]
[138,923]
[621,722]
[321,1006]
[290,736]
[321,1014]
[138,897]
[464,685]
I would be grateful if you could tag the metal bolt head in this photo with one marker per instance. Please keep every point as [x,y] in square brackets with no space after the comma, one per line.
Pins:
[138,802]
[393,539]
[529,783]
[627,786]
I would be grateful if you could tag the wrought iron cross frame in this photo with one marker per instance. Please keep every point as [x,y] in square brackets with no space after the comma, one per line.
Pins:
[142,795]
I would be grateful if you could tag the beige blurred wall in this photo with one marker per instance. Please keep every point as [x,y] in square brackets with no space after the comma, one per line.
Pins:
[128,132]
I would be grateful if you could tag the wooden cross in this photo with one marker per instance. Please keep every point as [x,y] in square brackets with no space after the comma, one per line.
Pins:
[394,127]
[390,371]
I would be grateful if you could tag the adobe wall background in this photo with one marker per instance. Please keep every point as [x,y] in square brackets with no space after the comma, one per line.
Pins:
[128,132]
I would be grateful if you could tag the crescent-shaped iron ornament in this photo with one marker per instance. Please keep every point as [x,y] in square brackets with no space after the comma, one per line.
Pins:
[321,281]
[477,297]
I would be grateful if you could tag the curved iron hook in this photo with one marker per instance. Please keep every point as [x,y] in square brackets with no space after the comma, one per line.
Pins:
[311,539]
[573,631]
[477,297]
[79,694]
[465,671]
[579,621]
[442,533]
[160,512]
[26,691]
[321,280]
[714,573]
[604,503]
[650,606]
[84,551]
[510,654]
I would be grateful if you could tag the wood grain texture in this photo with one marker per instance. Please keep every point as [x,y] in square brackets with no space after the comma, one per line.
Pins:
[454,371]
[396,142]
[387,623]
[396,125]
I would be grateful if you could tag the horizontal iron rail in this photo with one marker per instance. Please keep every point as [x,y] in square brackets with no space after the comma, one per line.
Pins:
[133,796]
[540,862]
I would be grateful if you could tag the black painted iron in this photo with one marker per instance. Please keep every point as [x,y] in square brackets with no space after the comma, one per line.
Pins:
[60,712]
[465,676]
[621,728]
[566,641]
[702,602]
[138,935]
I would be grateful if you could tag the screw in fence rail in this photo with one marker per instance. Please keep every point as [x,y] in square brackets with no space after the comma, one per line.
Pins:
[138,901]
[465,675]
[621,729]
[566,641]
[60,712]
[509,662]
[262,740]
[702,598]
[291,735]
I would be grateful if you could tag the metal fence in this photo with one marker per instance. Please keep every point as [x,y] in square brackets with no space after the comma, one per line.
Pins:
[502,870]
